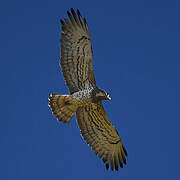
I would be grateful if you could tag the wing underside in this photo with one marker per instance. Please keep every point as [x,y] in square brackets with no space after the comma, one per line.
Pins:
[101,135]
[76,53]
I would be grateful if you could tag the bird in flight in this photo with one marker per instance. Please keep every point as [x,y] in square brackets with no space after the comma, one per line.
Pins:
[85,99]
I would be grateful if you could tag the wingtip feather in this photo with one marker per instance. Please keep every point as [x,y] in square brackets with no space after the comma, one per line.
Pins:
[125,151]
[62,22]
[107,166]
[72,11]
[69,14]
[78,12]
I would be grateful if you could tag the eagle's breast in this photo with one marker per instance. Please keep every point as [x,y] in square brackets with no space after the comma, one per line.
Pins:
[83,95]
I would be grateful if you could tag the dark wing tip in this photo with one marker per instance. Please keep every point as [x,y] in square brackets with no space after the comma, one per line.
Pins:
[125,151]
[85,21]
[116,167]
[74,14]
[62,22]
[112,166]
[107,166]
[121,164]
[124,161]
[72,11]
[78,12]
[69,14]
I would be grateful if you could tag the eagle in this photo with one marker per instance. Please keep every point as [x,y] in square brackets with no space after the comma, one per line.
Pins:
[85,99]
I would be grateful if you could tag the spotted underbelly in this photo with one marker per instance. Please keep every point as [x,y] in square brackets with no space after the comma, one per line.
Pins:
[84,96]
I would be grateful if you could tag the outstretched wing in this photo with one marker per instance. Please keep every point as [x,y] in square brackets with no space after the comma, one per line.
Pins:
[76,53]
[101,135]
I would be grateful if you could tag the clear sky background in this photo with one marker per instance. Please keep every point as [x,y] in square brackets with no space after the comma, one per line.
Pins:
[136,59]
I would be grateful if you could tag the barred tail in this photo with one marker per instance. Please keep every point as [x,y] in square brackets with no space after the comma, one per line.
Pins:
[63,107]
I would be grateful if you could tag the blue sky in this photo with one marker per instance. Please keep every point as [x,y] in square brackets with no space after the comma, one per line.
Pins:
[136,48]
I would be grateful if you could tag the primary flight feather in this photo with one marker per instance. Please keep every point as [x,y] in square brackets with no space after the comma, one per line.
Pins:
[86,98]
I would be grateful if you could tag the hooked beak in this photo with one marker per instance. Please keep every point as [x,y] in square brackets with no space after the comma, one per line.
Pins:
[108,97]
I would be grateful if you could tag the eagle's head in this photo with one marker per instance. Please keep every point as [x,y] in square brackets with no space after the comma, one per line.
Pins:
[100,94]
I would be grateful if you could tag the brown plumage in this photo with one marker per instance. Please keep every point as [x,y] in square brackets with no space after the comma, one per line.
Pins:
[85,99]
[62,107]
[76,53]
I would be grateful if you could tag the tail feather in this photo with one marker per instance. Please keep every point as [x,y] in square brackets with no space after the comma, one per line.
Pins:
[63,107]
